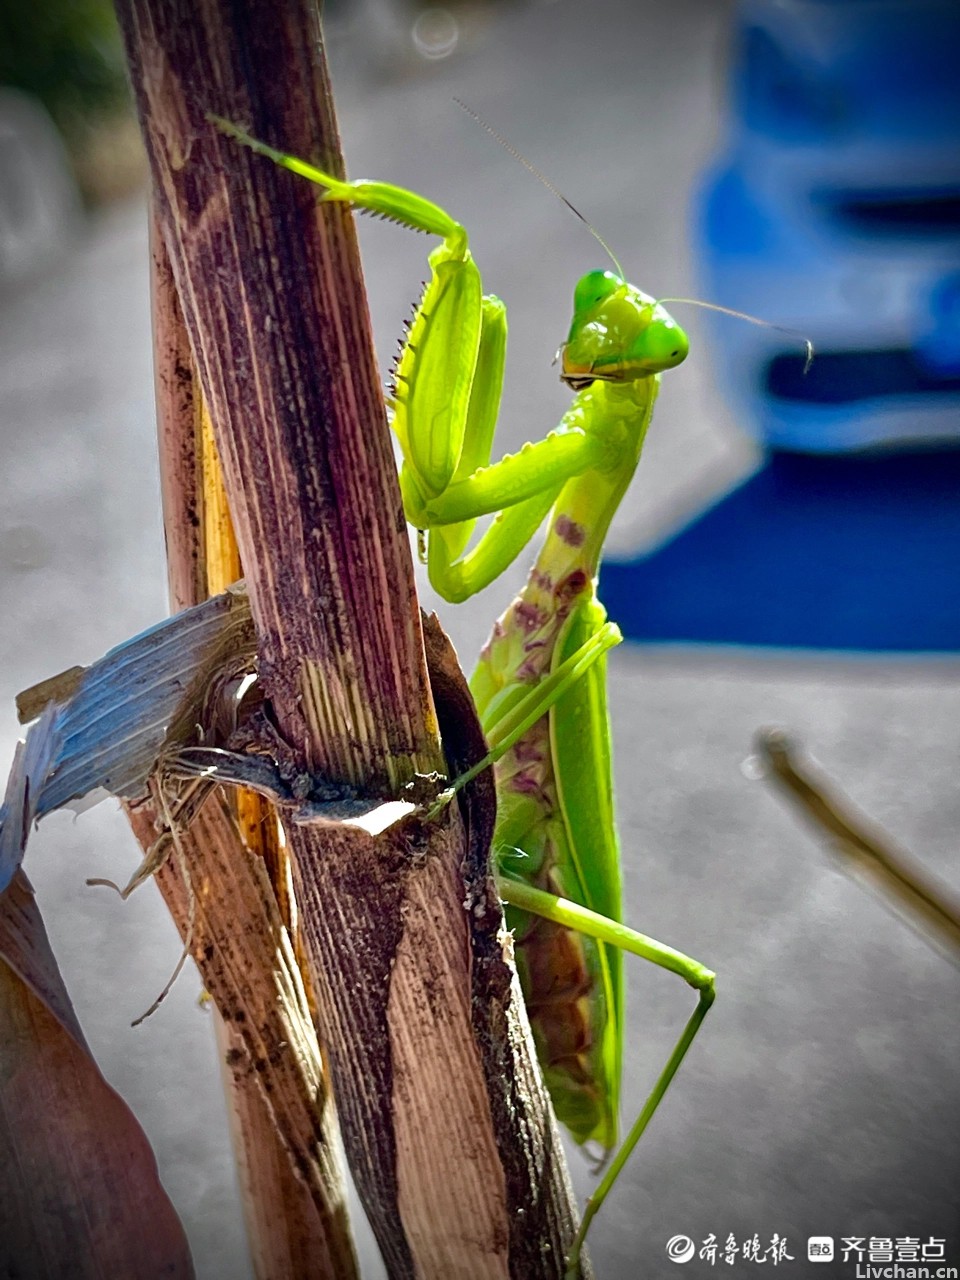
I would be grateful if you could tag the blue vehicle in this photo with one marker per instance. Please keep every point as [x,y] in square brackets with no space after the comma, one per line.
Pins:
[836,212]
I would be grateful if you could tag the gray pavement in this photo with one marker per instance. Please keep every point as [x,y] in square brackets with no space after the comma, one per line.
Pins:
[822,1096]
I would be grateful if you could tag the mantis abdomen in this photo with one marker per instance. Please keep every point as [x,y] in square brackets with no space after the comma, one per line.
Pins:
[555,828]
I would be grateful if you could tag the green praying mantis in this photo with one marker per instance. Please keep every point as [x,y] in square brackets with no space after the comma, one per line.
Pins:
[540,683]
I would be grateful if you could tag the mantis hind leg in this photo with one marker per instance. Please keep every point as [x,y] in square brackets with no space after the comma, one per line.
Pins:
[573,916]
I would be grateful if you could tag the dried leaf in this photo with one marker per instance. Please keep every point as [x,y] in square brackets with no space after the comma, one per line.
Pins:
[80,1194]
[121,713]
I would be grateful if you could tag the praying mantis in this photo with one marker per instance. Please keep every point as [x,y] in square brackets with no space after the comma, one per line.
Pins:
[540,683]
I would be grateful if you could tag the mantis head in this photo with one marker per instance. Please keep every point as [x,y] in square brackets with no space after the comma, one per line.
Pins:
[618,334]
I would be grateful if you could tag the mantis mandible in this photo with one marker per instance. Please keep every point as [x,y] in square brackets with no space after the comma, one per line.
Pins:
[540,684]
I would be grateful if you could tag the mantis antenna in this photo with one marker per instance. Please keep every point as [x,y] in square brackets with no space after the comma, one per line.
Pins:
[745,315]
[693,302]
[541,177]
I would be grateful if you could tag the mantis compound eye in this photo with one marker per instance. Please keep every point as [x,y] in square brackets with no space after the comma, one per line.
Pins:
[665,344]
[593,288]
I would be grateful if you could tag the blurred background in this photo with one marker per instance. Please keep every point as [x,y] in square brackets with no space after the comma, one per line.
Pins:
[788,554]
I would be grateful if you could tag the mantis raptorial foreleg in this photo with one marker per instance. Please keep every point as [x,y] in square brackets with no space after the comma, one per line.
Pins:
[448,382]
